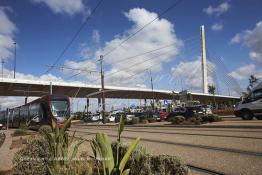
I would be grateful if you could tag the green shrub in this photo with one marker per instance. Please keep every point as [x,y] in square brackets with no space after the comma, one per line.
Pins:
[210,118]
[59,144]
[2,138]
[45,127]
[138,162]
[111,163]
[33,158]
[168,165]
[77,167]
[135,120]
[194,120]
[143,163]
[177,119]
[145,121]
[151,120]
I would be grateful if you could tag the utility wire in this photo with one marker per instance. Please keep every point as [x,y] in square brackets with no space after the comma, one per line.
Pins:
[70,68]
[147,52]
[75,36]
[153,50]
[130,66]
[139,30]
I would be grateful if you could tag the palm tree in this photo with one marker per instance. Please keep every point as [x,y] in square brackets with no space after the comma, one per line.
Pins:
[252,81]
[212,90]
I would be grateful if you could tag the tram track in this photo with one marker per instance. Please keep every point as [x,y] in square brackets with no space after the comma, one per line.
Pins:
[213,148]
[190,134]
[192,167]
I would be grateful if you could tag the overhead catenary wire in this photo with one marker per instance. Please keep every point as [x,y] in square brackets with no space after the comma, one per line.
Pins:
[130,66]
[193,39]
[70,68]
[75,36]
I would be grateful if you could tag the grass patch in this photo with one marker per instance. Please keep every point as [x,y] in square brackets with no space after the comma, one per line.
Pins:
[21,132]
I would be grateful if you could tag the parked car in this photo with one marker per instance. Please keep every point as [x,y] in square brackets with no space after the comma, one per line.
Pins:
[112,117]
[164,115]
[207,109]
[93,117]
[129,116]
[126,116]
[193,111]
[189,111]
[156,116]
[251,106]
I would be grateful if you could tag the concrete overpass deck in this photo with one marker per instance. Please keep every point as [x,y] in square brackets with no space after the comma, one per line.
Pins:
[22,87]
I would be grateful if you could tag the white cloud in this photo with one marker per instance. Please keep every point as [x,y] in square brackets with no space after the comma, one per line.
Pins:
[7,29]
[87,65]
[252,39]
[159,33]
[190,72]
[47,77]
[244,72]
[69,7]
[217,11]
[96,36]
[217,27]
[11,102]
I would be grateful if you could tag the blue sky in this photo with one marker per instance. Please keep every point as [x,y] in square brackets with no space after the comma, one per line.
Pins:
[42,28]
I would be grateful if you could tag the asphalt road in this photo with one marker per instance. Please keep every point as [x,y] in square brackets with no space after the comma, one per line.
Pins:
[230,147]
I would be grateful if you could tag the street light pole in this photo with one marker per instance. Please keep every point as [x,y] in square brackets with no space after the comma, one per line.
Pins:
[3,62]
[102,89]
[14,59]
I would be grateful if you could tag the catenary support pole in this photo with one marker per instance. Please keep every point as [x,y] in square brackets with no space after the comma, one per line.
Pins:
[14,59]
[102,89]
[51,88]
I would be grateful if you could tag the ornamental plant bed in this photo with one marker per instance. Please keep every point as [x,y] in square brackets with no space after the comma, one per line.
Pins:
[207,118]
[54,153]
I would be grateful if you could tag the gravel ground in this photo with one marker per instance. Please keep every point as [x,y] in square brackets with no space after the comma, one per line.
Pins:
[214,141]
[6,154]
[226,162]
[185,144]
[194,145]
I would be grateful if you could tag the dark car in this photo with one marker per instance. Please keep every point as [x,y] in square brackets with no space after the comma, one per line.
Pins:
[193,111]
[156,116]
[187,112]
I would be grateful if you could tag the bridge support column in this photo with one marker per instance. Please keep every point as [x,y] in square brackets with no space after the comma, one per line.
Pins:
[87,105]
[99,103]
[204,59]
[26,100]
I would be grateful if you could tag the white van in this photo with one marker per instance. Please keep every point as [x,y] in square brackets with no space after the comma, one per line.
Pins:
[251,106]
